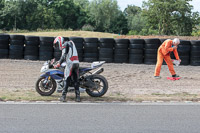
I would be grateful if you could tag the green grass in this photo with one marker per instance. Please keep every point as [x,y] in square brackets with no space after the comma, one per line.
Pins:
[32,95]
[183,94]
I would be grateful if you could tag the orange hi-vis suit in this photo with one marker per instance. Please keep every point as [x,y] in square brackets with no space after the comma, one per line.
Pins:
[164,53]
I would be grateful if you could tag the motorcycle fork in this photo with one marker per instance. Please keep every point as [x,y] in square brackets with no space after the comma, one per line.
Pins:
[47,80]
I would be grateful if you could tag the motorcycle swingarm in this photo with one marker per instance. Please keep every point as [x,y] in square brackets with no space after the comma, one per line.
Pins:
[89,84]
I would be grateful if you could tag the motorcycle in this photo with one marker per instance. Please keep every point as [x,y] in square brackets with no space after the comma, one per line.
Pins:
[94,84]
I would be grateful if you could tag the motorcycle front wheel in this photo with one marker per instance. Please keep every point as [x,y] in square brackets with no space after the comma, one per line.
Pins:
[45,89]
[101,86]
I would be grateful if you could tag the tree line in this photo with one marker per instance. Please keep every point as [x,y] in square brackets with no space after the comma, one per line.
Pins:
[160,17]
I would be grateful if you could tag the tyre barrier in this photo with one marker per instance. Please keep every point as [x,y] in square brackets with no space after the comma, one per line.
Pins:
[136,51]
[91,49]
[195,53]
[31,51]
[46,48]
[106,52]
[16,48]
[150,53]
[184,52]
[162,40]
[57,53]
[79,42]
[4,46]
[121,50]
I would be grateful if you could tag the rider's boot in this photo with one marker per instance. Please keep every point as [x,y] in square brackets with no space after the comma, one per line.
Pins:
[63,98]
[78,98]
[64,93]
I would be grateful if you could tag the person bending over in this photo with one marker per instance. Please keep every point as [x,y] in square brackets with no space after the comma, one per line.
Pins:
[164,53]
[70,55]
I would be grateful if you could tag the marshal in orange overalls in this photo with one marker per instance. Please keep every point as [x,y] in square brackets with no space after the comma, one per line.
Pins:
[164,53]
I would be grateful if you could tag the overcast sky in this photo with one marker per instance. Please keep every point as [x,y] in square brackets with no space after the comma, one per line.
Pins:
[123,4]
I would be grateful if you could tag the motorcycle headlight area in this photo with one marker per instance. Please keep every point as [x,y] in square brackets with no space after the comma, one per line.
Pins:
[46,63]
[44,68]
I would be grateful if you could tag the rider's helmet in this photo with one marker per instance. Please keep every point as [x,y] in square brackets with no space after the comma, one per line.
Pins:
[59,42]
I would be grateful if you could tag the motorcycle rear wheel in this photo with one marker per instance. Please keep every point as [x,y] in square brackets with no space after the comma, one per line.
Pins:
[44,91]
[102,84]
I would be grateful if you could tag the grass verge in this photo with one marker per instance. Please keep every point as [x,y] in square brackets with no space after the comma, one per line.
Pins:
[32,95]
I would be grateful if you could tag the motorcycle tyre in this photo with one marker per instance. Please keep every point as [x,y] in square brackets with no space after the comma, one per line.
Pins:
[45,93]
[105,88]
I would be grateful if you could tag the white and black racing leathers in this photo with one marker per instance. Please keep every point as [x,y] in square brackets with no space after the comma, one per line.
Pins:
[70,55]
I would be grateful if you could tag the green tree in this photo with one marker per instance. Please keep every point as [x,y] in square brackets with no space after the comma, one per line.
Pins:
[132,10]
[83,19]
[11,13]
[105,15]
[42,14]
[170,16]
[136,22]
[26,14]
[83,4]
[45,15]
[70,13]
[1,13]
[99,15]
[34,14]
[120,25]
[185,21]
[1,4]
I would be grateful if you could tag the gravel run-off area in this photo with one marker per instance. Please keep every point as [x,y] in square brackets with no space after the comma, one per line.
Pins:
[125,80]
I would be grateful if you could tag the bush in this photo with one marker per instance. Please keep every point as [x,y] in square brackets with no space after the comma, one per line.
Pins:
[196,33]
[144,32]
[88,27]
[153,32]
[132,32]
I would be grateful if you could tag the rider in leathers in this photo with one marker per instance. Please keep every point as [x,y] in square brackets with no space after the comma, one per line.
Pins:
[70,55]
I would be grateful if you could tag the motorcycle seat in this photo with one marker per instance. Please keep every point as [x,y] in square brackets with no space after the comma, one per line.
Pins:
[85,68]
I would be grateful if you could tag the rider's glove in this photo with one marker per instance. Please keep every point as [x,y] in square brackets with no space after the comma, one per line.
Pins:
[56,66]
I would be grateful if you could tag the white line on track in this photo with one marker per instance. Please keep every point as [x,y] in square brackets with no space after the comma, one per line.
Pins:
[159,103]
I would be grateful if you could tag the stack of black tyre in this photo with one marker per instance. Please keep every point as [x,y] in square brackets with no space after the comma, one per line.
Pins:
[184,52]
[121,50]
[150,53]
[16,49]
[31,51]
[46,48]
[4,46]
[106,51]
[162,41]
[91,49]
[195,53]
[136,51]
[57,52]
[78,41]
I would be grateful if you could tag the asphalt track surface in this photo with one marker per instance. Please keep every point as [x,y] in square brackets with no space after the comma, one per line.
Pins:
[99,117]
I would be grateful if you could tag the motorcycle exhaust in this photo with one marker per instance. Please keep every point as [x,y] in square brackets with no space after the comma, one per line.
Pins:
[100,70]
